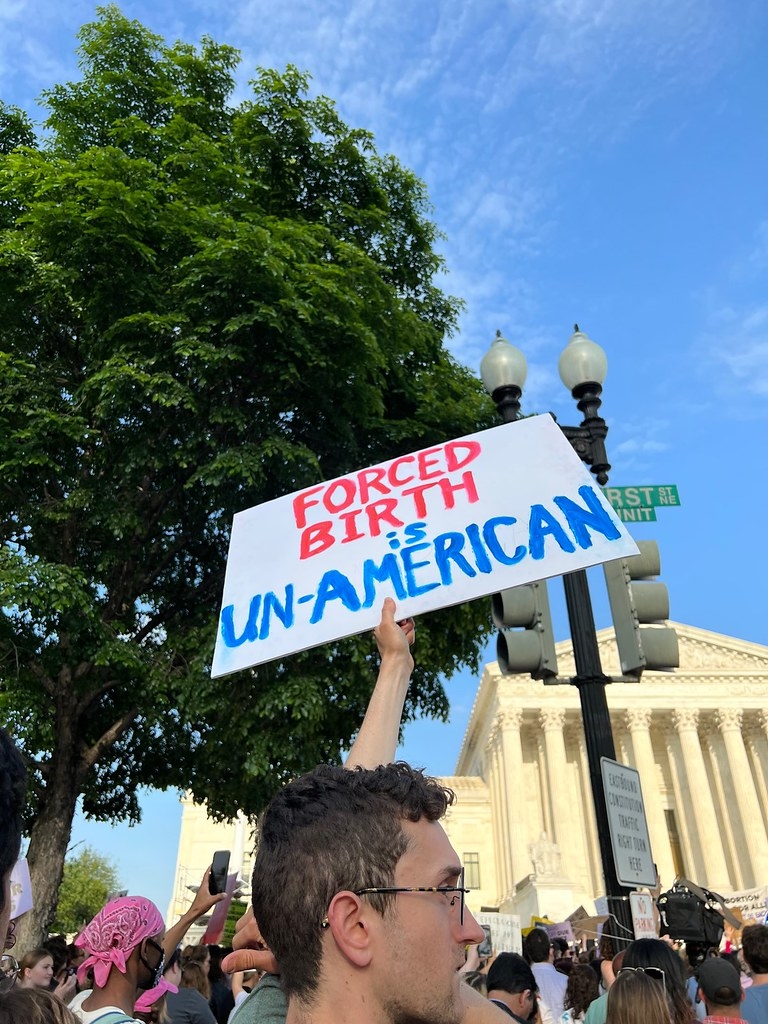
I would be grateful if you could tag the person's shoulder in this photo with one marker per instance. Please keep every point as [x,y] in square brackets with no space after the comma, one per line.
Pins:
[76,1001]
[106,1013]
[265,1004]
[755,995]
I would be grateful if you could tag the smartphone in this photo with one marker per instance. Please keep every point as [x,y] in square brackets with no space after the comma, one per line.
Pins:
[217,880]
[486,947]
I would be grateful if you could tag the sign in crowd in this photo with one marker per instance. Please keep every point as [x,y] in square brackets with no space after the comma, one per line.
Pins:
[462,519]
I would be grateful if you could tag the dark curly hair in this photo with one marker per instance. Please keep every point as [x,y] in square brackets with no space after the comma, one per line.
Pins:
[332,829]
[581,990]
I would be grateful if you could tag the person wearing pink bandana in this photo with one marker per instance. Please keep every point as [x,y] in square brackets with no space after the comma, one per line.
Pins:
[124,943]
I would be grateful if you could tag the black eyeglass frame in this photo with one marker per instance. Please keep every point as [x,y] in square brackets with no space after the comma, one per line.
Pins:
[459,889]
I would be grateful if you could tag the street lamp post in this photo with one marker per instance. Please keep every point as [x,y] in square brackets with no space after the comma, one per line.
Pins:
[582,367]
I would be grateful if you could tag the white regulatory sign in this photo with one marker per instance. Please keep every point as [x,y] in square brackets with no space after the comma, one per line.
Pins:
[643,916]
[628,826]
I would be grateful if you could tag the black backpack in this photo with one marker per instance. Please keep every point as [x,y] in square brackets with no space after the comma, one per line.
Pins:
[692,914]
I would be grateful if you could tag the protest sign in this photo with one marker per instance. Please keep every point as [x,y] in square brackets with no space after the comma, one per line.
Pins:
[506,936]
[751,902]
[562,930]
[463,519]
[21,889]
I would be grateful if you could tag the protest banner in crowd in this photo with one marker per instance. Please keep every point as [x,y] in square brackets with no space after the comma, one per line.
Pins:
[462,519]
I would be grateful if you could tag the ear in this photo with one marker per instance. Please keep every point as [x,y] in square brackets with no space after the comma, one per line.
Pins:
[350,925]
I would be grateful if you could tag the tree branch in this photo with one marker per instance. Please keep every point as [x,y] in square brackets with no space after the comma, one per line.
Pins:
[90,756]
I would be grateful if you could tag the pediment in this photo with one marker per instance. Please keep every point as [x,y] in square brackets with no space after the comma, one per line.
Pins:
[701,653]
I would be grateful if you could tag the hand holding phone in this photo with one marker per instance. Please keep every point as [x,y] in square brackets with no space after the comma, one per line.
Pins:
[217,880]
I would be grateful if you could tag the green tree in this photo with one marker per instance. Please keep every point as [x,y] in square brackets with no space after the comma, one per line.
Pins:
[87,881]
[203,306]
[236,910]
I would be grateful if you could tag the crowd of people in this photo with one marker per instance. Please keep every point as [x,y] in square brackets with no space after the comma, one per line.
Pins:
[358,916]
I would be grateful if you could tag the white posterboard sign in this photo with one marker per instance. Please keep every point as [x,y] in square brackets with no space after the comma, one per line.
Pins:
[463,519]
[643,916]
[628,825]
[506,935]
[21,889]
[751,902]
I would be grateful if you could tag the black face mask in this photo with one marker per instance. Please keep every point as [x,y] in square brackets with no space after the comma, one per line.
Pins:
[157,972]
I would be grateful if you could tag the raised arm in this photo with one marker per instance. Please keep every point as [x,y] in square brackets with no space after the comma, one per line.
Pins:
[375,744]
[200,905]
[377,739]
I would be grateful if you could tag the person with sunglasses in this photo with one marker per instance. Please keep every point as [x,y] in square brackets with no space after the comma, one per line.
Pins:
[124,942]
[636,998]
[663,966]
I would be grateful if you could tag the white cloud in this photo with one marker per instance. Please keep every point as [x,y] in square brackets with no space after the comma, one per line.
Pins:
[740,347]
[641,445]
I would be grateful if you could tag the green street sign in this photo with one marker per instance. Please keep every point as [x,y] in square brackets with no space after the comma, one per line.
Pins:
[643,498]
[636,515]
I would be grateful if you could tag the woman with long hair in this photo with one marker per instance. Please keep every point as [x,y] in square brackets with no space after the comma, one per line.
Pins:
[36,969]
[662,963]
[636,997]
[664,967]
[582,989]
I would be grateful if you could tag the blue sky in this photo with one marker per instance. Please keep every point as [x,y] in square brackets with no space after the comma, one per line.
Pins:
[599,161]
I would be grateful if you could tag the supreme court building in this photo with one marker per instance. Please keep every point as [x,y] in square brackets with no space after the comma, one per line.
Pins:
[524,821]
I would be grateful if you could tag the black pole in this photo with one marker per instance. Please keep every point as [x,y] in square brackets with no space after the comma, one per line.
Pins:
[588,441]
[591,681]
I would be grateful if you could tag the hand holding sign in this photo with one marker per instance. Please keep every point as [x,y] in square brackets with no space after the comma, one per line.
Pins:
[431,529]
[394,639]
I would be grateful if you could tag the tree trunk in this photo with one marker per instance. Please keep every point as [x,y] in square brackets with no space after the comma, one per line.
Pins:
[50,836]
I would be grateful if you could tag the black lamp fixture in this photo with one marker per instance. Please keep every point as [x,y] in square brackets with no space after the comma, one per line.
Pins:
[583,366]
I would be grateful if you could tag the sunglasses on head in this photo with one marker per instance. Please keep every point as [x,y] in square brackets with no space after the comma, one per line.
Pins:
[653,972]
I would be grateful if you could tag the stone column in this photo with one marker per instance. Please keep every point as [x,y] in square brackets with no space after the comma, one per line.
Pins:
[755,853]
[556,776]
[702,817]
[594,863]
[639,724]
[518,832]
[580,862]
[724,798]
[682,808]
[754,738]
[495,764]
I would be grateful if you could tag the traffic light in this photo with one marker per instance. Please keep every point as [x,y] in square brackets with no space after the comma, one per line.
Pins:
[635,602]
[531,649]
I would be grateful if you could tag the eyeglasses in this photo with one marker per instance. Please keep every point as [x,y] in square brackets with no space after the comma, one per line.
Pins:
[653,972]
[458,893]
[9,969]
